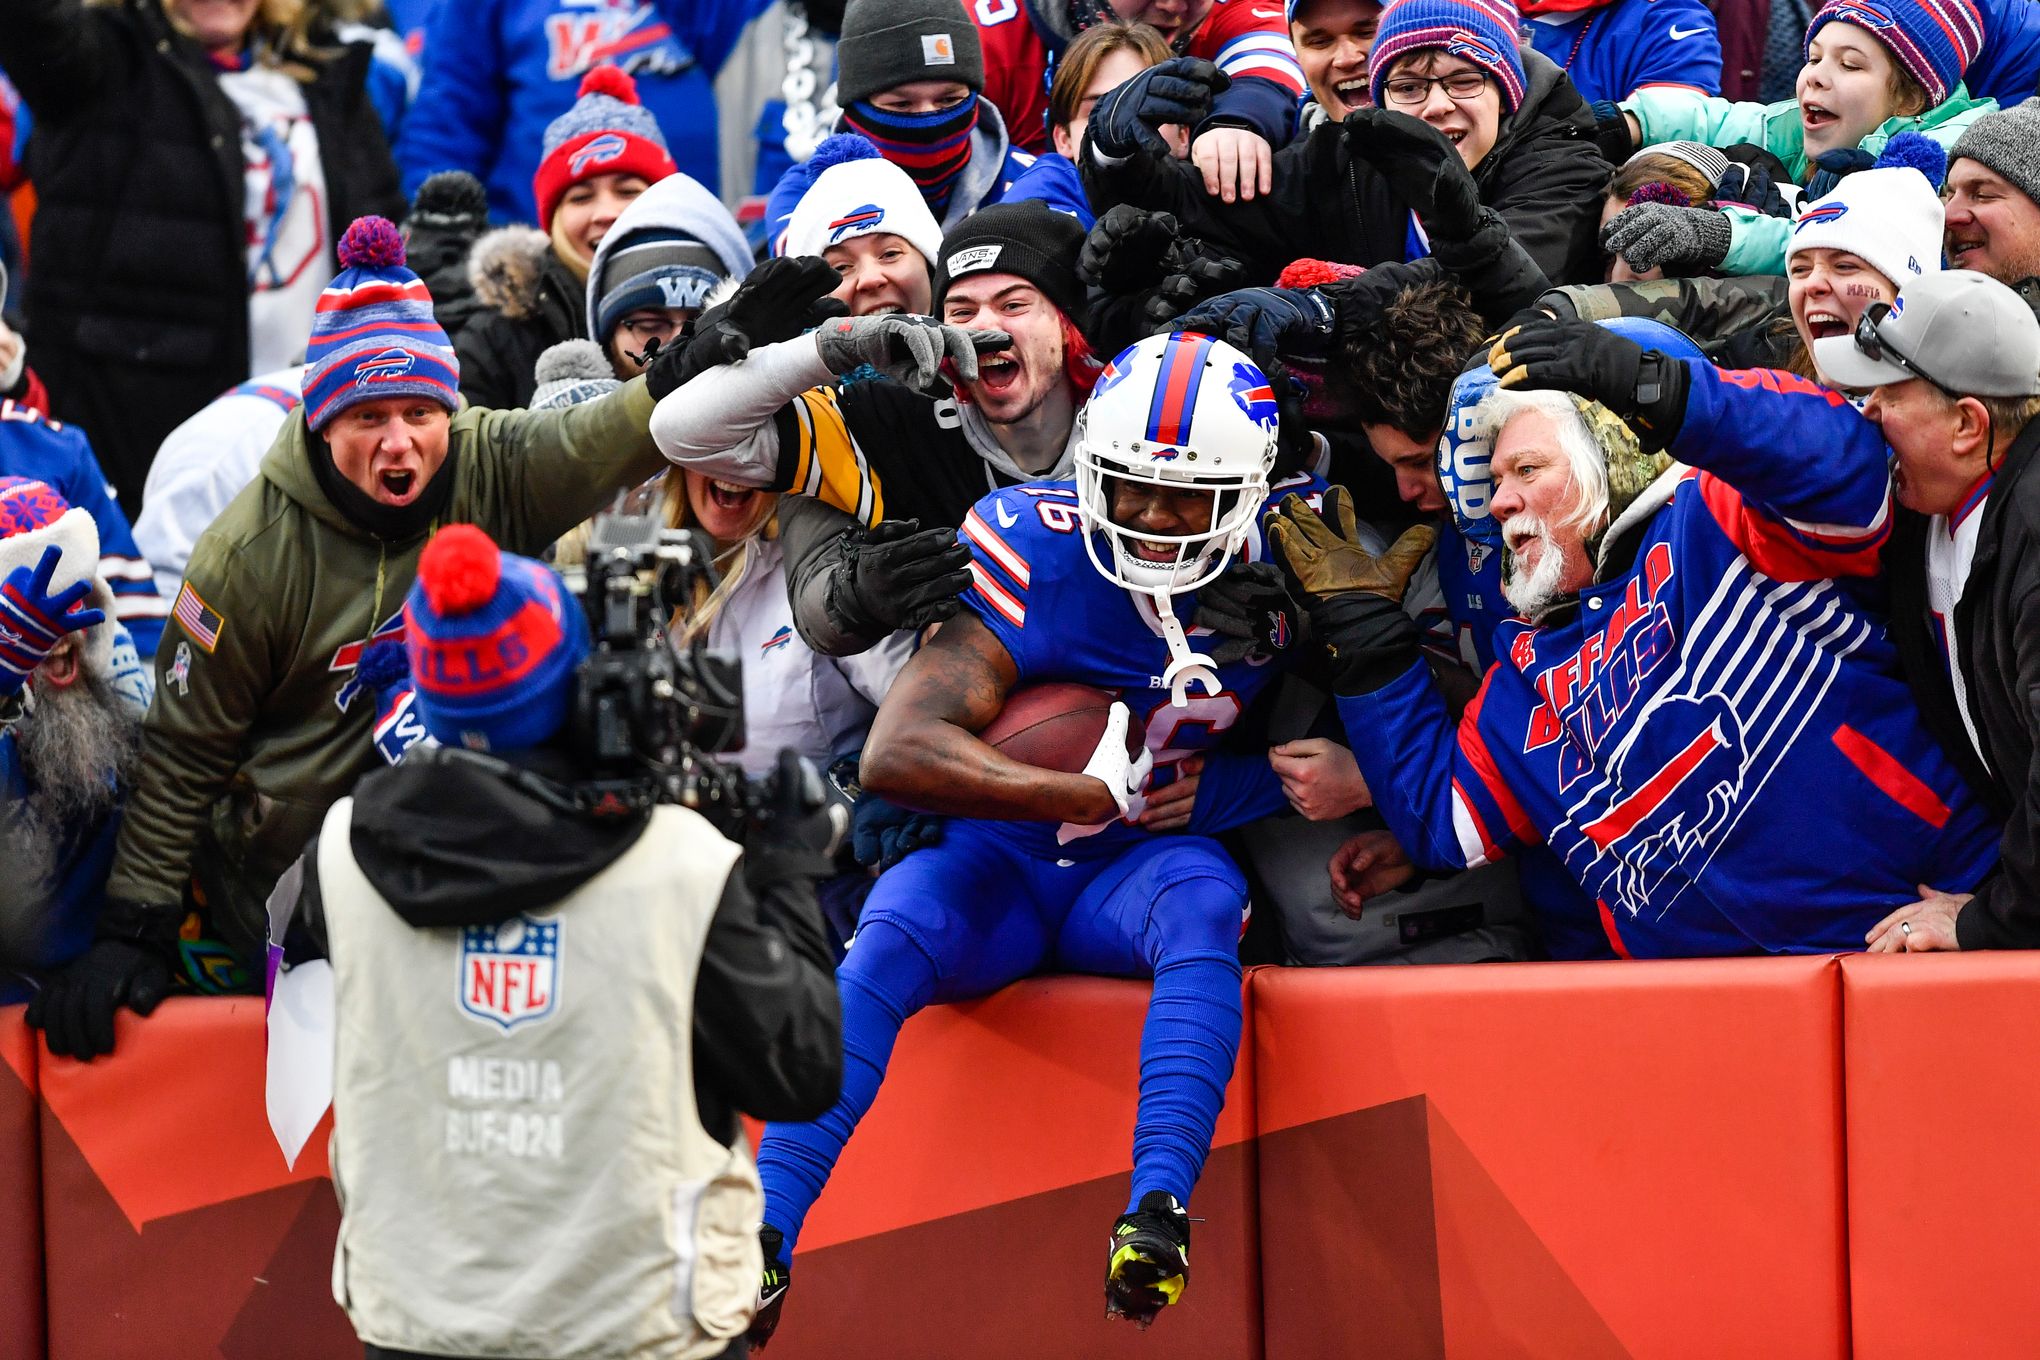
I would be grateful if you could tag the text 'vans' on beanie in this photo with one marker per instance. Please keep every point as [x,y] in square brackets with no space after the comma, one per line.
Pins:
[606,132]
[1028,240]
[494,641]
[374,335]
[1934,40]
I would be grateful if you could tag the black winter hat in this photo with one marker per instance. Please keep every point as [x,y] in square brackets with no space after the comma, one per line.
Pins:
[891,42]
[1028,239]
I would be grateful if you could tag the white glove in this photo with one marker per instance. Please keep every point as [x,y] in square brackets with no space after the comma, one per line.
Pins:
[1125,776]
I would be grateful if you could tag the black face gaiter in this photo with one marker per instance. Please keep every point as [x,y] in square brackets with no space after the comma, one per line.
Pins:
[390,523]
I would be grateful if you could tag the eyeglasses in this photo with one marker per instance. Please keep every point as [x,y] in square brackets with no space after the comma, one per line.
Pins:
[641,328]
[1873,344]
[1460,86]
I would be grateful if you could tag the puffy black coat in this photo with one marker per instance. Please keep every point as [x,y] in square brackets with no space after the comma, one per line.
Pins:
[137,301]
[1543,175]
[526,301]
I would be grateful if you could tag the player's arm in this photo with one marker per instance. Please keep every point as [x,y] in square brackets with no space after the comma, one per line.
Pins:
[924,752]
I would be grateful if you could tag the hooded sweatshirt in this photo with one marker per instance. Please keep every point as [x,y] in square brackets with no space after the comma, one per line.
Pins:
[675,203]
[258,725]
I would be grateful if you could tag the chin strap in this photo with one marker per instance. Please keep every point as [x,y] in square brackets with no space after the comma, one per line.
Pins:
[1185,665]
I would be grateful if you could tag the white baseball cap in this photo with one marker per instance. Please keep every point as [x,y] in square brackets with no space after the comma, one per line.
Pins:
[1964,332]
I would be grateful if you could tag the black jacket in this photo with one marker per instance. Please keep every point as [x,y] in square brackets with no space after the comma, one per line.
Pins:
[1543,175]
[1997,624]
[449,842]
[137,305]
[526,301]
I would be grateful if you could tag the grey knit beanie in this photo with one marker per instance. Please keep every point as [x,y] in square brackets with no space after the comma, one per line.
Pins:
[891,42]
[2007,142]
[571,372]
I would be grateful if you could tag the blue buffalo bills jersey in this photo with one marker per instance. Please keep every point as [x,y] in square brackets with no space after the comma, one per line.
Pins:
[1613,51]
[1034,587]
[1717,743]
[2007,67]
[32,445]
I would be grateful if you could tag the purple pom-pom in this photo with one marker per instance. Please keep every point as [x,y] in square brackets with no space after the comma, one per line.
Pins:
[1661,191]
[383,665]
[371,243]
[1919,151]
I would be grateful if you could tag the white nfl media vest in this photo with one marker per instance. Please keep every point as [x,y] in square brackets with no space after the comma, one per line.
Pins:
[521,1167]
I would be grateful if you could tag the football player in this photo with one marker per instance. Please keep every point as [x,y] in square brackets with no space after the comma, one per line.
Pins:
[1079,581]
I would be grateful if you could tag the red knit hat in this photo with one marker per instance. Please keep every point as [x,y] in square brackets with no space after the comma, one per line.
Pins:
[607,132]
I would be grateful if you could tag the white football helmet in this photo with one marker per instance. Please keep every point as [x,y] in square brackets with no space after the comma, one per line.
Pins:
[1179,410]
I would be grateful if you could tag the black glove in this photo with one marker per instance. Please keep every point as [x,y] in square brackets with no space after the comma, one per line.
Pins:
[1833,166]
[881,833]
[1421,165]
[1358,303]
[1178,90]
[129,964]
[1353,596]
[1128,250]
[1753,177]
[1643,387]
[1611,132]
[1249,605]
[795,832]
[1268,323]
[781,299]
[1195,272]
[897,575]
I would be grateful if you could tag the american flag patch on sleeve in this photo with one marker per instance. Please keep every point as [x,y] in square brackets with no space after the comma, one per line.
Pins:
[201,621]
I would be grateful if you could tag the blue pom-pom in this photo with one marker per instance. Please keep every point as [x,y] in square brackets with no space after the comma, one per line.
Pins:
[383,665]
[835,150]
[1919,151]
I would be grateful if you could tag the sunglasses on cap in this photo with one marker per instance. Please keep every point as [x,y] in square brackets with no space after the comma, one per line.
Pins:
[1873,344]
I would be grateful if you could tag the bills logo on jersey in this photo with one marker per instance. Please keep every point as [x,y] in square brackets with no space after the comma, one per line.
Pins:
[391,363]
[858,220]
[777,642]
[348,658]
[601,151]
[1253,395]
[1819,216]
[510,971]
[1690,753]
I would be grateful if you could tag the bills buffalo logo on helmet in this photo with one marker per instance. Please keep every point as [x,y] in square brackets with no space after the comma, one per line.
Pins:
[601,151]
[391,363]
[1250,390]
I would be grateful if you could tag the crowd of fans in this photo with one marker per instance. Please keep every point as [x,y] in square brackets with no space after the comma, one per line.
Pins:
[1705,628]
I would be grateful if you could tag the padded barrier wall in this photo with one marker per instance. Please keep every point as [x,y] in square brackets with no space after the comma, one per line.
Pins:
[1796,1157]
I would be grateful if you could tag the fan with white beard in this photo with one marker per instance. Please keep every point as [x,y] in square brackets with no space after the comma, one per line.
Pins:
[1537,589]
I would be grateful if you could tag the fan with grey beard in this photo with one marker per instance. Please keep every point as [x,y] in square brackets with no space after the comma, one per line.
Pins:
[78,748]
[1537,592]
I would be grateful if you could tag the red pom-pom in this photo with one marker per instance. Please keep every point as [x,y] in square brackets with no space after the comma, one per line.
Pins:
[1312,273]
[613,81]
[371,243]
[1659,191]
[459,570]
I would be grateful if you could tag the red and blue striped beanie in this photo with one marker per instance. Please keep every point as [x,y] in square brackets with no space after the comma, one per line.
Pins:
[1483,32]
[494,641]
[374,334]
[1934,40]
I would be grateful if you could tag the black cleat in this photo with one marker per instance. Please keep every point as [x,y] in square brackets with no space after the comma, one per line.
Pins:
[1150,1261]
[772,1285]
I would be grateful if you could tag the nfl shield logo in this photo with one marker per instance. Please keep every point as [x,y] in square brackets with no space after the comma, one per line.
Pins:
[510,972]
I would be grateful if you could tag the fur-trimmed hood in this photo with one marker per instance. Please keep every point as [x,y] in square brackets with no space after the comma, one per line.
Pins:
[506,266]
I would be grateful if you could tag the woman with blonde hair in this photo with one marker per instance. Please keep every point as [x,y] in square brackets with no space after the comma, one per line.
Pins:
[195,161]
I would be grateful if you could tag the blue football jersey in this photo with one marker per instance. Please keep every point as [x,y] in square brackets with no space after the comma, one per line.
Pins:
[1034,586]
[1613,51]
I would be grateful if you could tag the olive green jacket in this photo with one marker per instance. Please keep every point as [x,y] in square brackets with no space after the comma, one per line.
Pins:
[254,731]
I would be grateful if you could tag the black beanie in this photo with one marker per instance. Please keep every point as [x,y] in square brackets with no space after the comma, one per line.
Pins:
[891,42]
[1028,239]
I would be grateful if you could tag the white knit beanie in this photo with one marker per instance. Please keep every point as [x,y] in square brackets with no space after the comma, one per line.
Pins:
[33,517]
[1890,218]
[861,198]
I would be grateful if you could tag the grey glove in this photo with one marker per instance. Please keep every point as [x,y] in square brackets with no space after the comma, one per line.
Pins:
[908,349]
[1653,234]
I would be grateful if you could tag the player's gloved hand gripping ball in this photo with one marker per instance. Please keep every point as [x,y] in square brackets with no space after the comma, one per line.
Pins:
[1353,596]
[1124,776]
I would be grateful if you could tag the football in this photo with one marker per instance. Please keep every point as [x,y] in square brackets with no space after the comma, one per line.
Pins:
[1055,726]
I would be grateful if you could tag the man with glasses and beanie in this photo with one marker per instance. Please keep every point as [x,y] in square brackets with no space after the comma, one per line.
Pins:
[1953,375]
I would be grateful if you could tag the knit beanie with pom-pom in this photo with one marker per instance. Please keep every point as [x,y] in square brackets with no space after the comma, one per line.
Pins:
[606,132]
[494,641]
[374,335]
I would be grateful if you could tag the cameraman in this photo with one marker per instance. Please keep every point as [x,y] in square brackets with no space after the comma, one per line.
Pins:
[548,1019]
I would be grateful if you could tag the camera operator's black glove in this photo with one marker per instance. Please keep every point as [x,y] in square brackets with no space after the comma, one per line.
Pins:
[1178,91]
[1249,605]
[1194,271]
[1353,596]
[1421,165]
[897,575]
[795,834]
[781,299]
[1128,250]
[1643,387]
[129,964]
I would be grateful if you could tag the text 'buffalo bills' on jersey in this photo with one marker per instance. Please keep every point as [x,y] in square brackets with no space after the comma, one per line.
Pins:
[1033,586]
